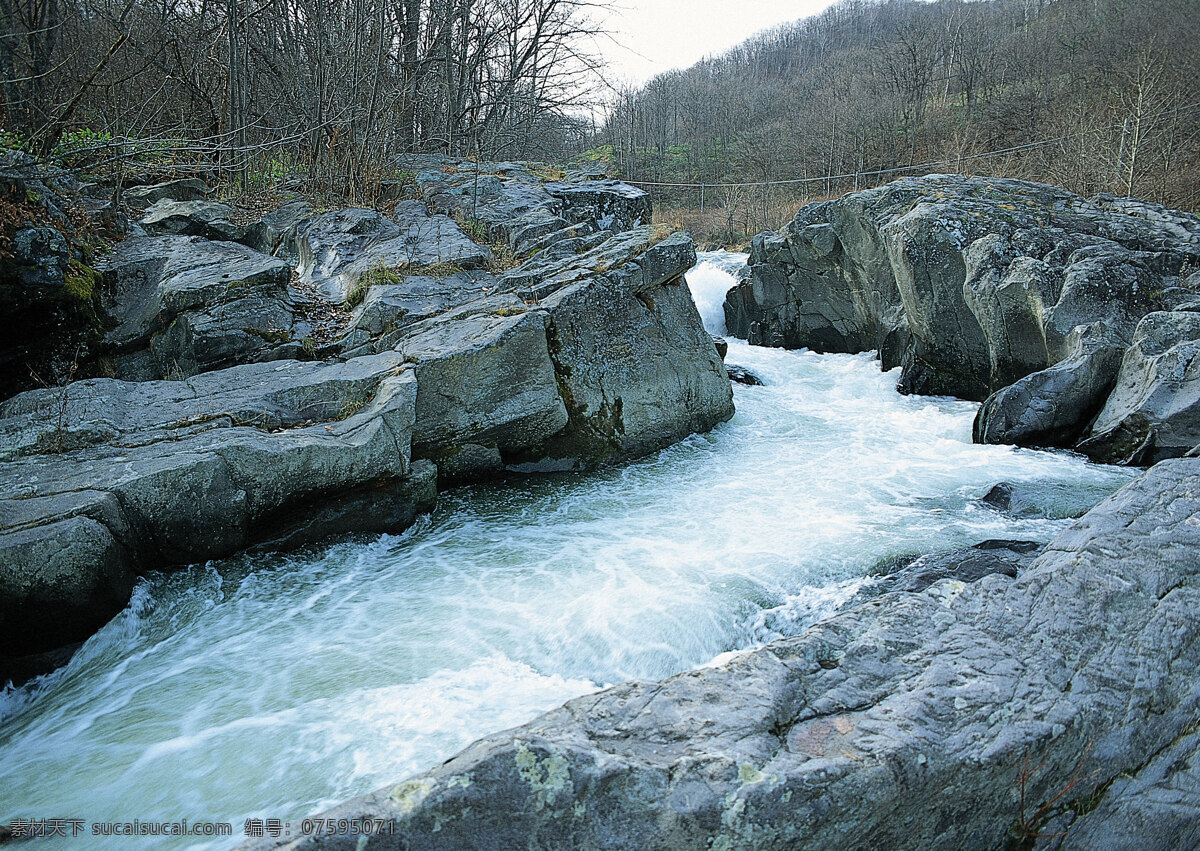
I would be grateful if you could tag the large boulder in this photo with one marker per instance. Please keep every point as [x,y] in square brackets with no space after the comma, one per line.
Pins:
[486,388]
[182,305]
[514,203]
[1055,406]
[1154,410]
[180,189]
[960,716]
[636,368]
[275,232]
[106,479]
[968,284]
[561,364]
[208,219]
[338,250]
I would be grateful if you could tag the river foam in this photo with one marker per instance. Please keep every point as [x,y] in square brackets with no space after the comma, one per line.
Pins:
[271,686]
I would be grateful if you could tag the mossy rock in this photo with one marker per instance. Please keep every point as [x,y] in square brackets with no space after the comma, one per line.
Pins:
[81,281]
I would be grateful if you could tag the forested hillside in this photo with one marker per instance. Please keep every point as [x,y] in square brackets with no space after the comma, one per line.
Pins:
[1092,95]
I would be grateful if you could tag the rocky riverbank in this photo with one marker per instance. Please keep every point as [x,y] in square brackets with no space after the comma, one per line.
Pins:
[233,420]
[1073,320]
[990,698]
[1058,708]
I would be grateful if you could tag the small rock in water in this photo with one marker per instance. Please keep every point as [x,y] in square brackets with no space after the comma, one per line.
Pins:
[742,375]
[722,345]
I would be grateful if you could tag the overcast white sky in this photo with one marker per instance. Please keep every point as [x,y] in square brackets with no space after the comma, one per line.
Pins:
[653,36]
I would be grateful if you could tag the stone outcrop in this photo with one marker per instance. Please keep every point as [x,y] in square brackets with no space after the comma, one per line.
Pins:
[918,719]
[336,250]
[1054,406]
[977,287]
[47,284]
[105,479]
[182,305]
[181,189]
[590,352]
[208,219]
[555,365]
[1153,411]
[967,283]
[517,205]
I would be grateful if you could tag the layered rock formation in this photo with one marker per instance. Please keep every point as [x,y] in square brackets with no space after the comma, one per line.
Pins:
[977,287]
[1062,703]
[590,352]
[105,479]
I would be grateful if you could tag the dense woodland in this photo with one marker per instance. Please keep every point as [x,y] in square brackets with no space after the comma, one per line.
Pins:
[1093,95]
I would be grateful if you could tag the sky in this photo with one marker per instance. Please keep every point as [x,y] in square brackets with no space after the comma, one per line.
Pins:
[652,36]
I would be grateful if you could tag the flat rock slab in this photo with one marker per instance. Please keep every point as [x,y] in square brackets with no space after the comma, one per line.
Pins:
[208,219]
[110,479]
[917,720]
[183,189]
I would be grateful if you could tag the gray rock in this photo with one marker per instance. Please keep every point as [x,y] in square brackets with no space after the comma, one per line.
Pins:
[1154,411]
[1007,294]
[1158,807]
[1055,406]
[741,375]
[611,363]
[969,564]
[917,720]
[192,218]
[275,233]
[105,479]
[635,367]
[62,580]
[183,189]
[391,307]
[487,382]
[516,205]
[338,249]
[37,269]
[610,205]
[1009,499]
[326,243]
[968,284]
[1105,282]
[182,305]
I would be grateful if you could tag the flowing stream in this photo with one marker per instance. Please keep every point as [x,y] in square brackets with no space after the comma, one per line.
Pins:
[273,686]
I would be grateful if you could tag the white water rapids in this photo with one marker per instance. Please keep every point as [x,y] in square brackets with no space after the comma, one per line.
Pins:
[275,686]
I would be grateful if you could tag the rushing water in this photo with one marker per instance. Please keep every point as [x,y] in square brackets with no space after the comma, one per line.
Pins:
[270,687]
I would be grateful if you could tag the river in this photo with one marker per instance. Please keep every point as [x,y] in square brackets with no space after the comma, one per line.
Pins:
[271,687]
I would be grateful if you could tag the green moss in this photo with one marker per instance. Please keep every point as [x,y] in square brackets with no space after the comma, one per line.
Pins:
[271,335]
[379,275]
[436,270]
[237,284]
[508,311]
[548,172]
[349,408]
[81,281]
